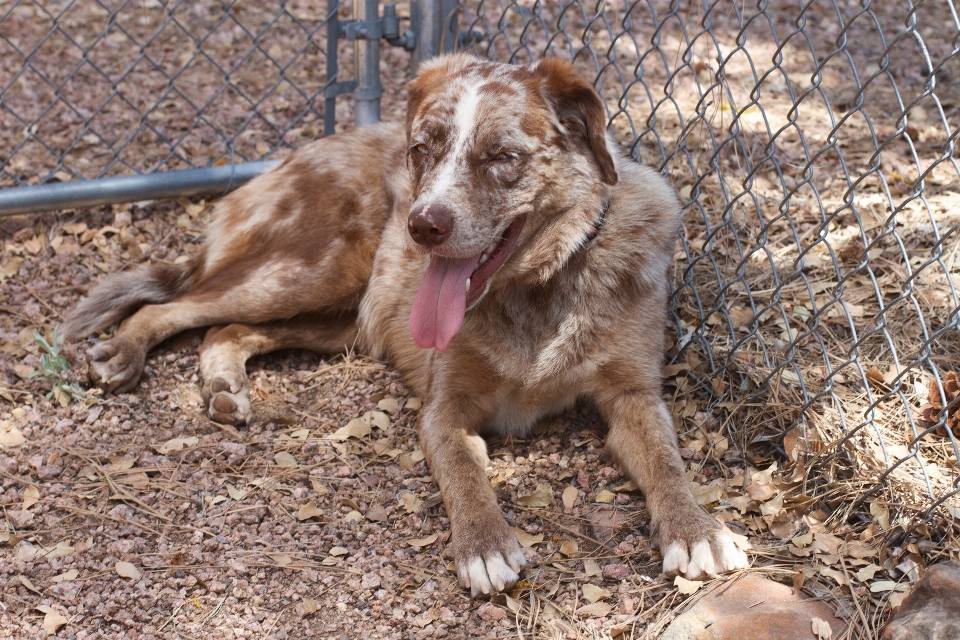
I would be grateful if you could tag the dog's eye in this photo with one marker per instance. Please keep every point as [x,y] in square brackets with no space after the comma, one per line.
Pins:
[503,156]
[421,149]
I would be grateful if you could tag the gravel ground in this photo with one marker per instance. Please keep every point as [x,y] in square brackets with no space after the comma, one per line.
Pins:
[134,516]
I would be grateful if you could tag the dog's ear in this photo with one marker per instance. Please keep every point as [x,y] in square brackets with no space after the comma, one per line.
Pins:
[579,108]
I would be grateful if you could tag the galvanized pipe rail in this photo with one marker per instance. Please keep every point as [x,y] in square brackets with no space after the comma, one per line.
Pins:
[365,31]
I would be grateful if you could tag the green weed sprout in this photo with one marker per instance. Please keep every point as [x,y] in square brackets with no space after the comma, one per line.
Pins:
[52,367]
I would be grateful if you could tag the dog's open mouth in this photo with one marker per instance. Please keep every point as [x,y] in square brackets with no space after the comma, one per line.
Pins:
[451,285]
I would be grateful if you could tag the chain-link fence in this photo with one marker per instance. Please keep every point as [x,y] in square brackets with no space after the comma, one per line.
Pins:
[813,140]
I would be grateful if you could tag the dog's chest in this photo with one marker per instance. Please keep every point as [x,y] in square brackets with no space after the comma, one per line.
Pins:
[521,404]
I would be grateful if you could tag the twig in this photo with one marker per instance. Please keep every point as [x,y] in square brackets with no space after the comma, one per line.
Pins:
[275,621]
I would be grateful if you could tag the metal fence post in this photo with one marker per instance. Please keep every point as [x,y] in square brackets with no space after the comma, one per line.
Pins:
[366,55]
[436,30]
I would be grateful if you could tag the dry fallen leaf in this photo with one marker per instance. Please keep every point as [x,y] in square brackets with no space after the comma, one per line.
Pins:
[594,593]
[525,539]
[308,511]
[236,494]
[837,576]
[389,405]
[356,428]
[773,506]
[761,492]
[605,497]
[569,548]
[52,621]
[595,610]
[881,515]
[174,445]
[285,459]
[591,567]
[707,493]
[541,497]
[10,436]
[31,496]
[423,542]
[897,598]
[686,587]
[127,570]
[804,540]
[62,550]
[307,606]
[66,576]
[25,581]
[765,476]
[377,419]
[407,460]
[867,572]
[821,628]
[569,497]
[888,585]
[353,516]
[409,502]
[280,558]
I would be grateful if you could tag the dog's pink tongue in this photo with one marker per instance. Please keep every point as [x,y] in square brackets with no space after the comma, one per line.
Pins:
[441,301]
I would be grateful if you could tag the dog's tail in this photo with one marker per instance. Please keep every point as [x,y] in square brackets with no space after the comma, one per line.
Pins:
[121,294]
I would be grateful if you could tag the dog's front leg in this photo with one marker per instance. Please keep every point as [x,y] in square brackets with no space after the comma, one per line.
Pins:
[487,554]
[643,440]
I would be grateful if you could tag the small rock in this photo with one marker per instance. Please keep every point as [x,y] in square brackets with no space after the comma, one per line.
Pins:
[49,471]
[20,519]
[233,448]
[930,611]
[491,612]
[752,608]
[8,464]
[616,571]
[370,581]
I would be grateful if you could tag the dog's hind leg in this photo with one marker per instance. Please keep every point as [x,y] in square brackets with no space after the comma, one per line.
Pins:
[225,351]
[268,295]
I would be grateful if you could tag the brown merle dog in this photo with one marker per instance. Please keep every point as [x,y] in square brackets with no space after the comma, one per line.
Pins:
[499,252]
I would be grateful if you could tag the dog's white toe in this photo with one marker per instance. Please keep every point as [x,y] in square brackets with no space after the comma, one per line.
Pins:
[707,558]
[701,560]
[493,574]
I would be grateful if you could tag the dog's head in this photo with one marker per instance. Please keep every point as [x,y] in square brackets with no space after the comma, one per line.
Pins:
[511,171]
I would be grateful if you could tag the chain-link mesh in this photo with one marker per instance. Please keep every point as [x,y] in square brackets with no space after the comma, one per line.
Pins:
[110,87]
[813,142]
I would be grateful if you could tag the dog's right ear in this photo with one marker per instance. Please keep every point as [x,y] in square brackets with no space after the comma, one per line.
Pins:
[579,108]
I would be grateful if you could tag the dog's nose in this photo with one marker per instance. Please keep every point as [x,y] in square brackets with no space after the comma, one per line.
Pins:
[430,224]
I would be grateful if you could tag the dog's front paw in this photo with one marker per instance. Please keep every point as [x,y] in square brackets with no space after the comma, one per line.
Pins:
[702,550]
[488,561]
[228,401]
[116,365]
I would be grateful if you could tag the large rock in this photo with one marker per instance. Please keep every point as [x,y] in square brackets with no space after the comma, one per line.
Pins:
[932,610]
[751,608]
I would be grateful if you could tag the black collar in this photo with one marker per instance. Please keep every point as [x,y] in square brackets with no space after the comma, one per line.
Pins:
[597,225]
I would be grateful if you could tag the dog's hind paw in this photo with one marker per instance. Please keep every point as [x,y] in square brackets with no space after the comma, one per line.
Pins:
[115,365]
[495,570]
[713,553]
[227,403]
